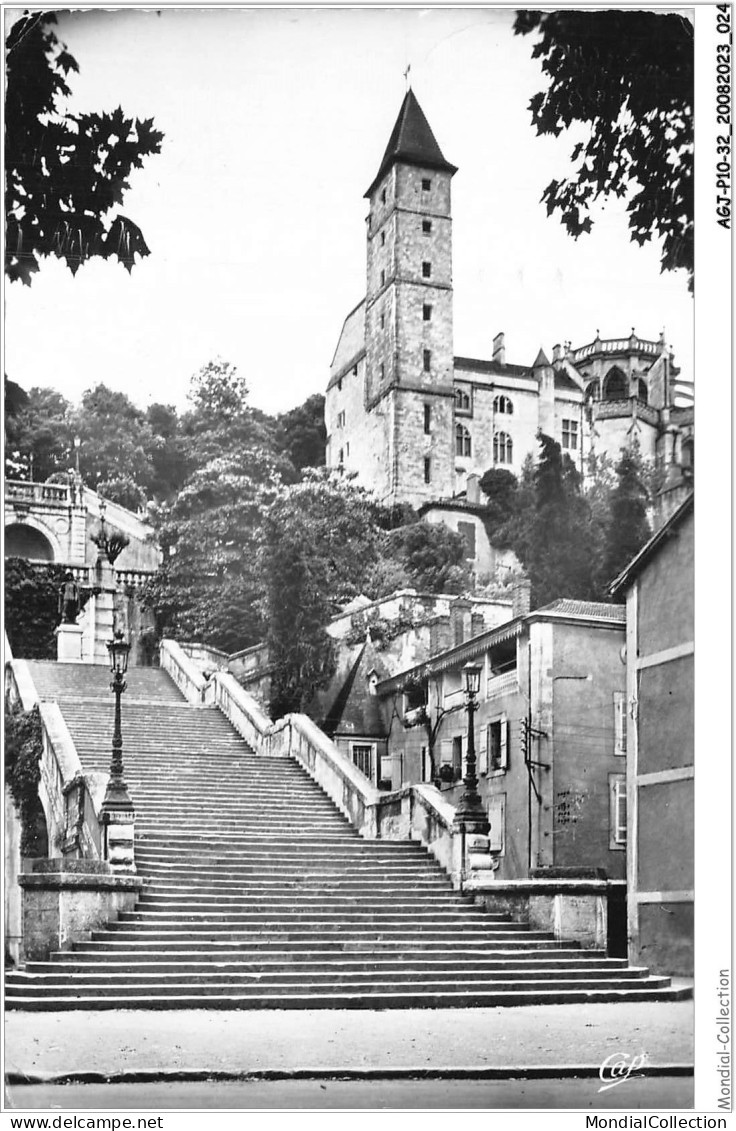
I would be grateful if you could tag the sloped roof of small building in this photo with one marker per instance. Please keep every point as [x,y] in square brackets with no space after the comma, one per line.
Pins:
[355,711]
[351,343]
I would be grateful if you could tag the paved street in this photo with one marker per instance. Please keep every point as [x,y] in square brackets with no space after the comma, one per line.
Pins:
[111,1043]
[659,1092]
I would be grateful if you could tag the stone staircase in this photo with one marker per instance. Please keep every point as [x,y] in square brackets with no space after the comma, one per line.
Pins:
[259,895]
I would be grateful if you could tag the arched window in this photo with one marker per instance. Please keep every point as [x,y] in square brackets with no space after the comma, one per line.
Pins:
[23,541]
[642,392]
[503,448]
[462,440]
[616,386]
[593,390]
[462,400]
[503,404]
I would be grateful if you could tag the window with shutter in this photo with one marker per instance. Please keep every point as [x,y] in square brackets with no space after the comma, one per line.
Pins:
[619,722]
[617,807]
[497,817]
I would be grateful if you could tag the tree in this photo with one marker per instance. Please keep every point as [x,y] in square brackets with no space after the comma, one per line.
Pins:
[301,433]
[38,436]
[115,444]
[628,527]
[555,545]
[431,556]
[501,487]
[221,420]
[209,586]
[319,538]
[31,607]
[628,78]
[66,174]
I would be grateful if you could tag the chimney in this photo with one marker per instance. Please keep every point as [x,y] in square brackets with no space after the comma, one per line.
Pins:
[557,354]
[499,349]
[472,488]
[521,597]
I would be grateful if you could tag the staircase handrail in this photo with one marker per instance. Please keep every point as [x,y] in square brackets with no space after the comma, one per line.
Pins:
[184,672]
[71,800]
[246,715]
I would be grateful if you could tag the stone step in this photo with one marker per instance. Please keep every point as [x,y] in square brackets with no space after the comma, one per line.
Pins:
[439,918]
[315,933]
[350,984]
[204,901]
[523,965]
[365,941]
[471,998]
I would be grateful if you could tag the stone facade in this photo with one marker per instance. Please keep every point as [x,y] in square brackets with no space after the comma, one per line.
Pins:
[550,751]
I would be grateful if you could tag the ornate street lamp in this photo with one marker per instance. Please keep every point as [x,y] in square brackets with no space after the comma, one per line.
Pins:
[117,799]
[470,814]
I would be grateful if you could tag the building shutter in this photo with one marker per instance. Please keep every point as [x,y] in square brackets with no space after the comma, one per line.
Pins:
[619,717]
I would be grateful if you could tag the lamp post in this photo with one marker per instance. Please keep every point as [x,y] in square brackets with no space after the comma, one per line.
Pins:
[470,815]
[117,807]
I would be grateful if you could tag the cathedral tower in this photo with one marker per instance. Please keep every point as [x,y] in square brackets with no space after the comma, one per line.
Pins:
[408,310]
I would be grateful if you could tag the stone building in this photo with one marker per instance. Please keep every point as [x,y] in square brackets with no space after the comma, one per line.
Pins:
[660,692]
[416,422]
[549,733]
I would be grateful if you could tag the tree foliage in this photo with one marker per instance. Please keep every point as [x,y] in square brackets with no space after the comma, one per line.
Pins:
[628,526]
[31,607]
[38,436]
[627,78]
[301,433]
[66,174]
[319,537]
[23,750]
[430,556]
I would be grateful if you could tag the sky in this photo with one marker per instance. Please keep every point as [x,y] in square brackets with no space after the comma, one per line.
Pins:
[275,122]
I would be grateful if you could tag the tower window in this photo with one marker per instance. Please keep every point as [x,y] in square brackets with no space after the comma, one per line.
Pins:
[383,238]
[570,434]
[427,360]
[427,470]
[383,370]
[426,227]
[355,371]
[339,384]
[503,404]
[426,184]
[427,312]
[383,277]
[503,448]
[426,269]
[341,458]
[383,197]
[341,420]
[462,441]
[383,321]
[427,418]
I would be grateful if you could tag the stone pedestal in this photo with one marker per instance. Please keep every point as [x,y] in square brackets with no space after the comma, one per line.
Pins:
[119,828]
[63,900]
[69,643]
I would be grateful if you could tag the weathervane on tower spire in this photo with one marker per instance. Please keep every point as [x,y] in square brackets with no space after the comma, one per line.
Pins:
[406,76]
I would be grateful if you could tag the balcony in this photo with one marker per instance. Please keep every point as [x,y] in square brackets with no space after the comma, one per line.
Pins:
[616,345]
[609,410]
[503,684]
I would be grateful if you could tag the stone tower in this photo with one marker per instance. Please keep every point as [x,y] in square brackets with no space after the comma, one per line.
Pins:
[408,311]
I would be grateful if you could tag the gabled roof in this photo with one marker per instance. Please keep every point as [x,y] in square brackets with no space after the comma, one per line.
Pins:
[355,711]
[412,142]
[650,548]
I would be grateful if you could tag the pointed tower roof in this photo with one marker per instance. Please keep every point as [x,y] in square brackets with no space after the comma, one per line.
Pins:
[412,142]
[541,361]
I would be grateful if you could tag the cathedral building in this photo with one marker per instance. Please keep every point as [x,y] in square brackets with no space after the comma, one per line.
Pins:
[418,424]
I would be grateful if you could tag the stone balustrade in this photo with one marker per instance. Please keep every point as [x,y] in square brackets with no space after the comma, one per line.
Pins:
[34,493]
